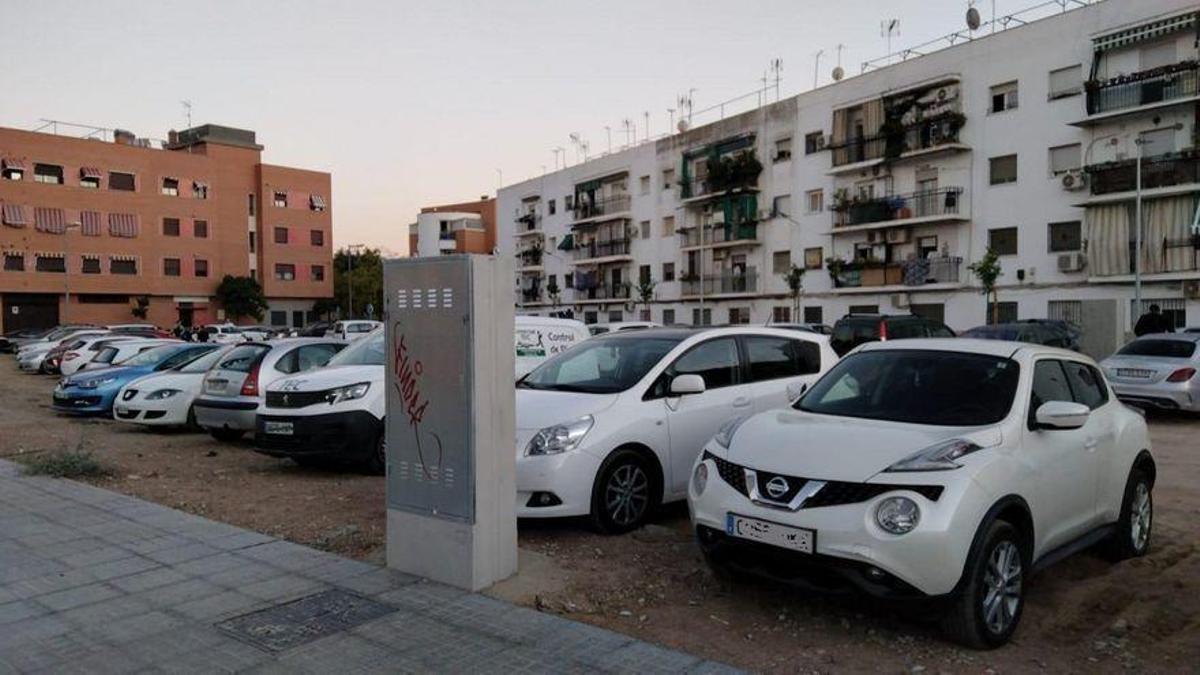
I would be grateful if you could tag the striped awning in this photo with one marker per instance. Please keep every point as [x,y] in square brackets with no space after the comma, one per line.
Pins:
[89,223]
[123,224]
[12,163]
[123,258]
[199,185]
[49,254]
[1144,32]
[49,220]
[13,215]
[89,172]
[317,201]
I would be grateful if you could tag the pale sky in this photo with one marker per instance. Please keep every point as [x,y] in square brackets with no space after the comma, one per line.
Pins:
[418,103]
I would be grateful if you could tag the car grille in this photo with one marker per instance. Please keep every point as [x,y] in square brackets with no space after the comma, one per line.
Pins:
[835,493]
[295,399]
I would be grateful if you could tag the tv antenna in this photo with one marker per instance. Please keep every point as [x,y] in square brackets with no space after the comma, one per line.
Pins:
[187,111]
[776,68]
[817,67]
[630,131]
[684,105]
[838,71]
[889,28]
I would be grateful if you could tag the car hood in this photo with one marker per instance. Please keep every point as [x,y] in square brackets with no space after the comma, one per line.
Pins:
[540,409]
[827,447]
[122,373]
[329,377]
[189,382]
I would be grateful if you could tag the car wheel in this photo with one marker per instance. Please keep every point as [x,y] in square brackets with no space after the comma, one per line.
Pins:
[624,493]
[377,461]
[987,610]
[227,435]
[1132,536]
[191,423]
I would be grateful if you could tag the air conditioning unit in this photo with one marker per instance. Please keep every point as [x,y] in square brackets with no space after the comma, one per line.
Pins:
[1191,289]
[1072,262]
[900,300]
[898,235]
[1074,180]
[821,142]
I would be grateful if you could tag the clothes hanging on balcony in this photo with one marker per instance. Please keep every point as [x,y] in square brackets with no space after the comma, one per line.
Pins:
[1108,239]
[1167,220]
[872,124]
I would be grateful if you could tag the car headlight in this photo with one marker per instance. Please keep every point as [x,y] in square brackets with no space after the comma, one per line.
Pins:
[725,434]
[941,456]
[92,384]
[161,394]
[898,515]
[700,478]
[560,437]
[347,393]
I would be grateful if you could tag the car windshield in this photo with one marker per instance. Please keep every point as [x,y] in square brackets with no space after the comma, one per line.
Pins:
[918,387]
[242,358]
[202,364]
[1176,349]
[368,351]
[601,365]
[150,357]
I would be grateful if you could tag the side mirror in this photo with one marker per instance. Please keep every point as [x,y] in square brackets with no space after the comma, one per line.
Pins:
[683,385]
[1062,415]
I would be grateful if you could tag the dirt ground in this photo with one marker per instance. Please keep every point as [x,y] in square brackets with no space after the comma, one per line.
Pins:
[1083,615]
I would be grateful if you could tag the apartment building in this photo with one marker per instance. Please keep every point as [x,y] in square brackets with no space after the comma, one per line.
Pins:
[884,187]
[92,229]
[466,227]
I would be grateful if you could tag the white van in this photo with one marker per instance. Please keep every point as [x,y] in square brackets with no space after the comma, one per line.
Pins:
[351,330]
[538,338]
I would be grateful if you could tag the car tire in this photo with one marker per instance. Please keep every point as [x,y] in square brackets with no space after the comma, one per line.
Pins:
[987,609]
[1132,536]
[227,435]
[624,494]
[376,462]
[192,424]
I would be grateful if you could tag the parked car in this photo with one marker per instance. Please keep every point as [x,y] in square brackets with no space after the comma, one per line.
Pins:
[93,391]
[233,389]
[1049,335]
[224,333]
[1074,332]
[819,328]
[74,359]
[165,398]
[614,326]
[351,330]
[13,339]
[538,338]
[139,329]
[53,335]
[1157,371]
[610,429]
[929,469]
[31,358]
[115,351]
[332,415]
[853,330]
[52,362]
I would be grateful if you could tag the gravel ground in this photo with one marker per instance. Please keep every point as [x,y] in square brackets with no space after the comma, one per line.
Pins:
[1083,615]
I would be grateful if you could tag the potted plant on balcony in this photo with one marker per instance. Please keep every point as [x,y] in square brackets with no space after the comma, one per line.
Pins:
[845,274]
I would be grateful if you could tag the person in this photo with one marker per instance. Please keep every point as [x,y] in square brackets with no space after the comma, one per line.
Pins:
[178,330]
[1152,322]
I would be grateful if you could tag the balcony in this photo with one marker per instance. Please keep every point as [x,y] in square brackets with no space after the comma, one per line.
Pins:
[937,272]
[600,251]
[530,258]
[601,207]
[1145,90]
[600,292]
[727,283]
[531,295]
[940,132]
[917,207]
[719,236]
[723,176]
[1161,172]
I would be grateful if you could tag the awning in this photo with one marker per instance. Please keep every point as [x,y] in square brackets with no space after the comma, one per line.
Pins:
[49,220]
[1144,32]
[199,185]
[567,243]
[123,224]
[13,215]
[12,163]
[89,172]
[123,258]
[89,223]
[317,201]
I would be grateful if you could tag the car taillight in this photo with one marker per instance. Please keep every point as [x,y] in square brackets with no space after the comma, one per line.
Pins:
[250,385]
[883,331]
[1181,375]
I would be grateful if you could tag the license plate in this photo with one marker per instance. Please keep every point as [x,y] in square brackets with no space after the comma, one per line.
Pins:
[215,385]
[783,536]
[281,428]
[60,396]
[1135,372]
[122,410]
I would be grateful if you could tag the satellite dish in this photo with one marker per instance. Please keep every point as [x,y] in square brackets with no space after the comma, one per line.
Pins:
[972,18]
[838,73]
[682,126]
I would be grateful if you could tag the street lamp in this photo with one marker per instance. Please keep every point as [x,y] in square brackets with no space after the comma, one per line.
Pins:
[350,277]
[67,269]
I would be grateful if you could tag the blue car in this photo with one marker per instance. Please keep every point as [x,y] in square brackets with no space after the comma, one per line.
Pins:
[92,392]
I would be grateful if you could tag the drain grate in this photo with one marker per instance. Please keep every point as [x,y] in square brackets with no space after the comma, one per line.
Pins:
[300,621]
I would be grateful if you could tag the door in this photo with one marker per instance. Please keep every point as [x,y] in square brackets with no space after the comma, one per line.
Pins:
[1063,463]
[298,318]
[29,311]
[694,419]
[1088,387]
[778,369]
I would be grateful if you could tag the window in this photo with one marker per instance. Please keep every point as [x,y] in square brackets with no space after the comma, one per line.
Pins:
[772,358]
[668,271]
[814,201]
[199,190]
[644,274]
[1064,158]
[814,315]
[615,316]
[1003,240]
[122,266]
[934,311]
[1066,82]
[316,203]
[864,309]
[781,206]
[569,280]
[701,317]
[568,201]
[1174,309]
[813,258]
[1065,236]
[551,206]
[1157,55]
[814,142]
[316,237]
[781,314]
[716,361]
[250,209]
[668,226]
[1086,383]
[200,267]
[91,265]
[252,242]
[1004,97]
[280,199]
[318,272]
[783,149]
[285,272]
[121,181]
[1002,169]
[12,172]
[278,318]
[644,226]
[170,227]
[14,262]
[89,182]
[668,317]
[668,179]
[281,235]
[171,267]
[781,262]
[644,185]
[170,187]
[48,173]
[1049,384]
[200,229]
[739,315]
[1007,313]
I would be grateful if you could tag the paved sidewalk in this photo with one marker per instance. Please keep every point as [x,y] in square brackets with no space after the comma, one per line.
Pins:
[94,581]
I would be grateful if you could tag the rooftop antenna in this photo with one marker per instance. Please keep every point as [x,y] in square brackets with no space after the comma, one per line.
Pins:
[671,112]
[684,104]
[646,130]
[838,71]
[887,29]
[777,71]
[817,67]
[187,111]
[577,141]
[630,131]
[608,132]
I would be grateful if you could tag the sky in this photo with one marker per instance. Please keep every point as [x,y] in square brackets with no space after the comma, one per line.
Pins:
[409,104]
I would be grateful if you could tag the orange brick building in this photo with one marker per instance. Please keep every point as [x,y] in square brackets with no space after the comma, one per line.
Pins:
[466,227]
[110,223]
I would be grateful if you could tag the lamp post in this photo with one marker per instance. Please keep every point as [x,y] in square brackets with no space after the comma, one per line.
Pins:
[350,277]
[67,269]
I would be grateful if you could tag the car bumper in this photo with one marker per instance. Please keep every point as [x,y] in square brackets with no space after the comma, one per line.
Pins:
[79,403]
[234,414]
[554,486]
[349,435]
[150,413]
[1164,395]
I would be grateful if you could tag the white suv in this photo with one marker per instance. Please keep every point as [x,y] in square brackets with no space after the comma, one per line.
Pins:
[931,468]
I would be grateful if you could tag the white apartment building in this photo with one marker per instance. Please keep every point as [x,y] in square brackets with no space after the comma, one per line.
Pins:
[886,186]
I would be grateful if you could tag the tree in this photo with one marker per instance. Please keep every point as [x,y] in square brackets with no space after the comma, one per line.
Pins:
[794,278]
[645,291]
[241,296]
[553,291]
[141,307]
[987,271]
[366,280]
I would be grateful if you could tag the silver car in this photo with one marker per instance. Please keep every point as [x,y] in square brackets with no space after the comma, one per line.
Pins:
[234,389]
[1157,371]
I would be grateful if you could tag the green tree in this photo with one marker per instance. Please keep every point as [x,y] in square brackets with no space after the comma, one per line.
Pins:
[794,278]
[241,296]
[366,280]
[141,307]
[987,271]
[645,292]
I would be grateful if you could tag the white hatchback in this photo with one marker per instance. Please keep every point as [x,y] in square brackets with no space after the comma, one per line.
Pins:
[165,398]
[612,427]
[931,468]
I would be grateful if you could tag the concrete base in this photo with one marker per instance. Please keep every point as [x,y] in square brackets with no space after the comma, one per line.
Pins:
[472,557]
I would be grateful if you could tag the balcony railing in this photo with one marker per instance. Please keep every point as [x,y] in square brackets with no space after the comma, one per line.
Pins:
[600,291]
[446,236]
[709,235]
[600,207]
[920,204]
[1178,80]
[530,257]
[528,222]
[1180,168]
[531,294]
[702,186]
[939,270]
[600,249]
[722,284]
[922,135]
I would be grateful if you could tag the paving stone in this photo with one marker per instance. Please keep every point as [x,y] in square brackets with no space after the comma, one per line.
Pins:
[51,583]
[283,587]
[122,568]
[136,627]
[217,607]
[18,611]
[77,597]
[178,554]
[239,540]
[380,580]
[160,576]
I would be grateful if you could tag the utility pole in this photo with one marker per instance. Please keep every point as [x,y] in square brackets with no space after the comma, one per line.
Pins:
[67,270]
[350,276]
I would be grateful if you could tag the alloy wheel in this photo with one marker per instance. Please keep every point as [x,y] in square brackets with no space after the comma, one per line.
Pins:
[1141,514]
[627,494]
[1002,587]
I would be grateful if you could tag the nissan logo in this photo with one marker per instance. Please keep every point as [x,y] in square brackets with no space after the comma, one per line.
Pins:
[777,487]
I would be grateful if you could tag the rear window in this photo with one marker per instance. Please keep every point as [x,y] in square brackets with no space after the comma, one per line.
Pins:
[772,358]
[1177,349]
[369,351]
[105,355]
[243,357]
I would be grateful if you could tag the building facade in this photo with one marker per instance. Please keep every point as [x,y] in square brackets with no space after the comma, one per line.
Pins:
[885,187]
[92,230]
[466,227]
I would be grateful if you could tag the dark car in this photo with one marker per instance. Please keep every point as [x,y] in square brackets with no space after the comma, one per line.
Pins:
[853,330]
[818,328]
[1073,332]
[1049,335]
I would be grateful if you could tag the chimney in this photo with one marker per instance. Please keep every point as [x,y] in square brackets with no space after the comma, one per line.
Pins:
[123,137]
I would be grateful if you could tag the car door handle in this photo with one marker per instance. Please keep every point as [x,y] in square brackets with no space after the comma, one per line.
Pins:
[1089,444]
[741,402]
